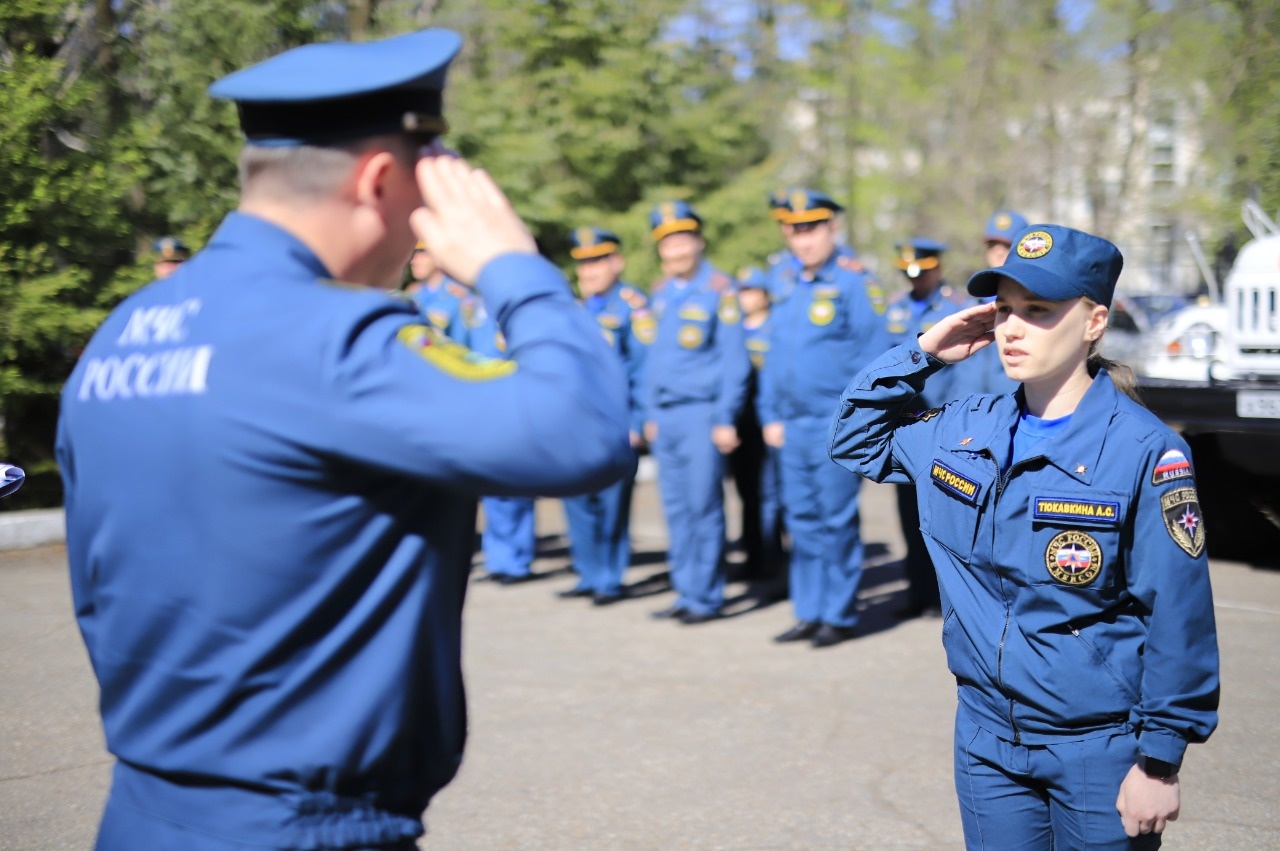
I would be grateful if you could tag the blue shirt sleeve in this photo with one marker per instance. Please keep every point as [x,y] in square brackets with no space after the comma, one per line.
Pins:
[550,420]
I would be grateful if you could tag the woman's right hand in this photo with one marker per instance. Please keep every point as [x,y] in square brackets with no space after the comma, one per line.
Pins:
[959,335]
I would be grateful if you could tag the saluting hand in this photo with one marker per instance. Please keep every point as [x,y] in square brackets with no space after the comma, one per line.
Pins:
[466,218]
[961,334]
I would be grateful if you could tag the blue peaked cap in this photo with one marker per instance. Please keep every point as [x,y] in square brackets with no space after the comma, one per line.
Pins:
[673,217]
[338,91]
[1057,263]
[589,243]
[753,278]
[1004,225]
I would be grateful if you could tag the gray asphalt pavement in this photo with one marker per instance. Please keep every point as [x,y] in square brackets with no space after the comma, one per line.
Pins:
[599,728]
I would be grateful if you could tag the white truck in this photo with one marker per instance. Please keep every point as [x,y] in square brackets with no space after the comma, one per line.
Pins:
[1214,375]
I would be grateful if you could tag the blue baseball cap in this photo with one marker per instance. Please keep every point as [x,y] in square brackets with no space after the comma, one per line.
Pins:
[1004,225]
[800,206]
[752,278]
[919,255]
[590,243]
[171,249]
[673,217]
[338,91]
[1057,263]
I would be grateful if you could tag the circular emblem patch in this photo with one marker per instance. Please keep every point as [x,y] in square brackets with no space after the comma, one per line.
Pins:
[1003,222]
[821,312]
[1073,558]
[690,336]
[1035,245]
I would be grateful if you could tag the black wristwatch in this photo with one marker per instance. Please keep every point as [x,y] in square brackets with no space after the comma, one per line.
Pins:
[1153,767]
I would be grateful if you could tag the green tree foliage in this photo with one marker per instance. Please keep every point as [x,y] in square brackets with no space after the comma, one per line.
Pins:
[921,116]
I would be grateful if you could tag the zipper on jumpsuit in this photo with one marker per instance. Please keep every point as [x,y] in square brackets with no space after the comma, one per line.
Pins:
[1002,481]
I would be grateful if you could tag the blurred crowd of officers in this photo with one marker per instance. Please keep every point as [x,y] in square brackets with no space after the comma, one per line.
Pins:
[733,375]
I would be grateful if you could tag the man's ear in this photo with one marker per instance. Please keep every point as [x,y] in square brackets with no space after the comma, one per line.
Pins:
[371,173]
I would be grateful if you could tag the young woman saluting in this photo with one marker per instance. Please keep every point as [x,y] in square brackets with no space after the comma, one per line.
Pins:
[1065,529]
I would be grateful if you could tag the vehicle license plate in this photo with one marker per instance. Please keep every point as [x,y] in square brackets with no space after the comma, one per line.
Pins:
[1258,403]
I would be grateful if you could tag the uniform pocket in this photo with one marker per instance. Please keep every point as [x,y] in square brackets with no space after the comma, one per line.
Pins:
[952,492]
[1079,532]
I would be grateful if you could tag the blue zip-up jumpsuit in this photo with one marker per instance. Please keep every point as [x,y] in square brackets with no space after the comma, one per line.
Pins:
[599,523]
[695,378]
[823,329]
[510,537]
[270,495]
[1078,613]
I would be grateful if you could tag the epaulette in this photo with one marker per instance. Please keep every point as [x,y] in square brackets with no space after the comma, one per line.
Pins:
[954,296]
[852,264]
[658,285]
[455,289]
[720,281]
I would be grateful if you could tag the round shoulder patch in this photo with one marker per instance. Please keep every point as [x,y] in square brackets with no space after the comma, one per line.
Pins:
[1073,558]
[1035,245]
[453,358]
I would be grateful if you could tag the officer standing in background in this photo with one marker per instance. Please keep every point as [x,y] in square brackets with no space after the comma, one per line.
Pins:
[438,298]
[912,312]
[754,463]
[983,372]
[695,385]
[271,467]
[599,523]
[510,537]
[171,253]
[827,319]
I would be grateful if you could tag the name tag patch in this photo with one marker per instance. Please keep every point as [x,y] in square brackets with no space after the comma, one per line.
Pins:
[1092,511]
[950,480]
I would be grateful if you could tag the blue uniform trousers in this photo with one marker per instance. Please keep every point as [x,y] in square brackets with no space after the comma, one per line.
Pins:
[599,539]
[146,811]
[509,539]
[690,478]
[820,503]
[1042,797]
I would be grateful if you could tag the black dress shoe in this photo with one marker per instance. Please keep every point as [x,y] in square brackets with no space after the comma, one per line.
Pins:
[608,599]
[694,618]
[799,632]
[672,611]
[505,579]
[829,636]
[574,593]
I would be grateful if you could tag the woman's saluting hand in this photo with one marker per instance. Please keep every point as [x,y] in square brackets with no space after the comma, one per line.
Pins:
[959,335]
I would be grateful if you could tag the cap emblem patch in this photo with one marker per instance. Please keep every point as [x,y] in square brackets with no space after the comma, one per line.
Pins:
[1003,222]
[1035,245]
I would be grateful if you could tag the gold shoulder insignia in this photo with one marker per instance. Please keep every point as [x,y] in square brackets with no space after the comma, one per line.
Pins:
[853,264]
[452,358]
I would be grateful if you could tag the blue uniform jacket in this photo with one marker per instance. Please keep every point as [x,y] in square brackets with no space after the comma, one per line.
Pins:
[821,331]
[441,304]
[629,329]
[270,484]
[1075,584]
[906,318]
[698,353]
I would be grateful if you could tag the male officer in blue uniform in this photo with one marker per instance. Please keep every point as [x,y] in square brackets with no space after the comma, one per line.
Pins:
[271,467]
[754,463]
[438,298]
[695,384]
[983,372]
[827,322]
[510,537]
[911,312]
[599,523]
[171,253]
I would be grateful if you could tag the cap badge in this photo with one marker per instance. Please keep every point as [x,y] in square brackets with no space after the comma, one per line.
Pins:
[799,200]
[1003,222]
[1035,245]
[667,210]
[586,237]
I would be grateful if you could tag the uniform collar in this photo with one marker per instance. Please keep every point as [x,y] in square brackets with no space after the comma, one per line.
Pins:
[274,248]
[826,272]
[1076,451]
